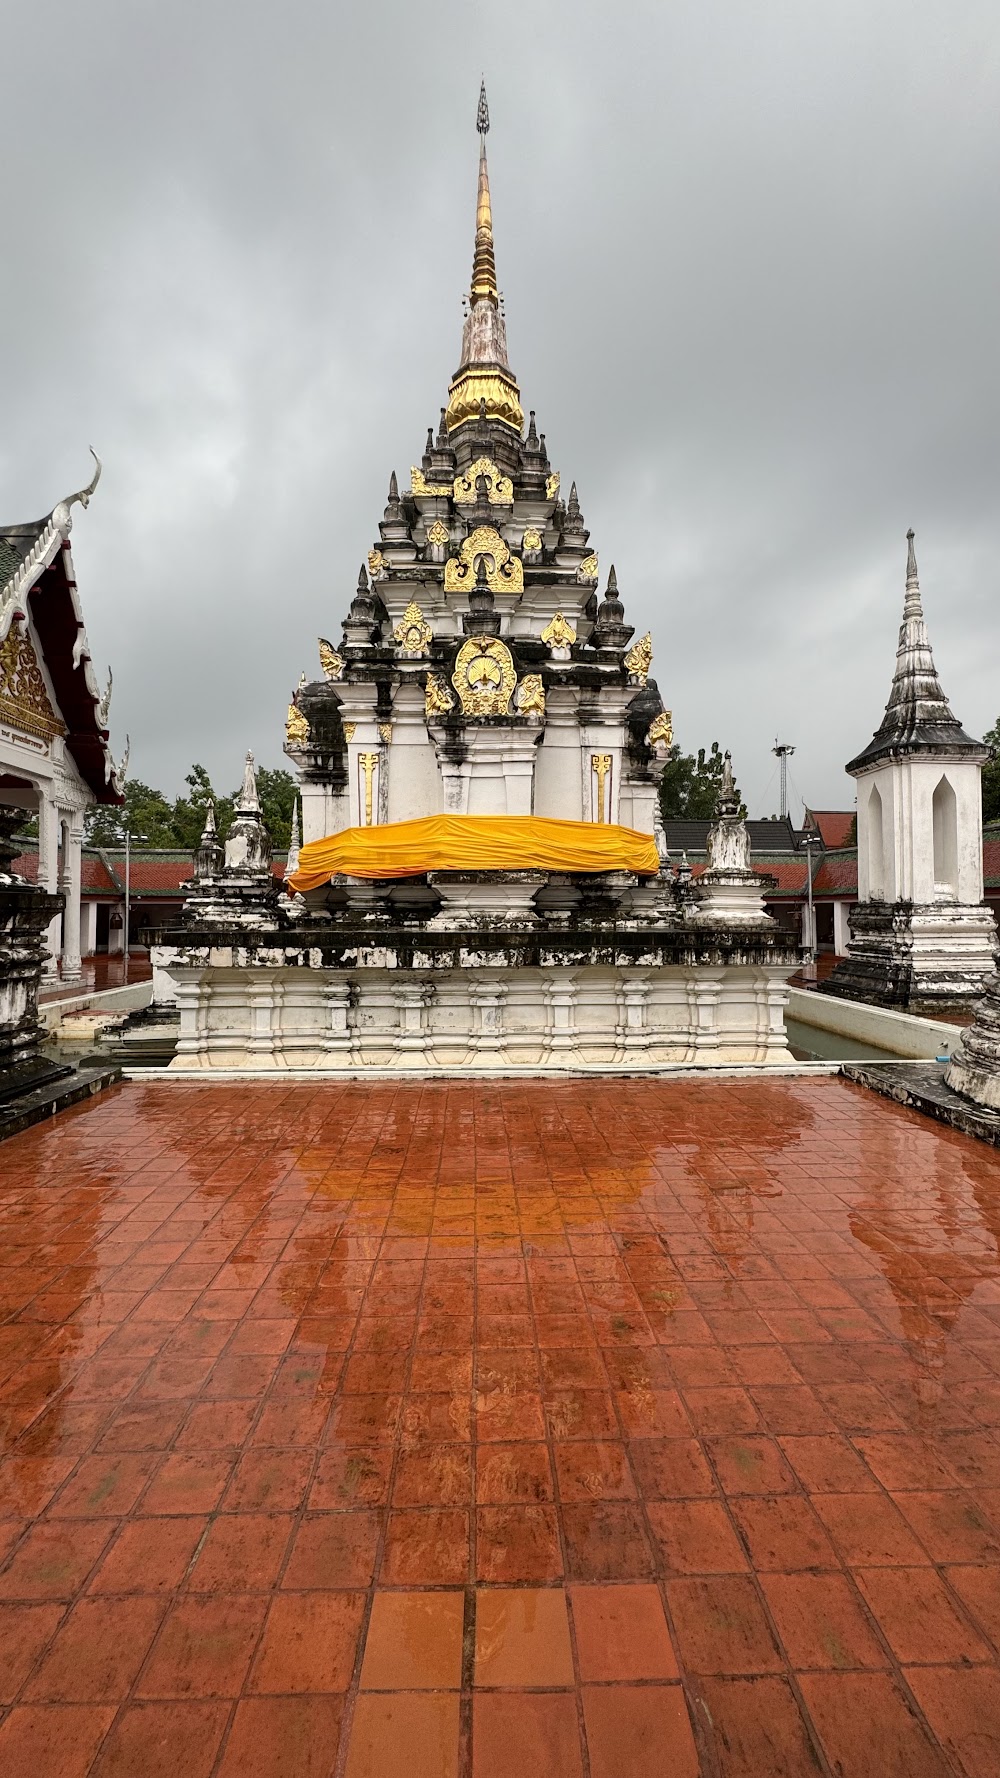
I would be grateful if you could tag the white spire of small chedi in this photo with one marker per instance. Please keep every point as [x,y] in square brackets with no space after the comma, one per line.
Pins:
[729,893]
[248,847]
[294,842]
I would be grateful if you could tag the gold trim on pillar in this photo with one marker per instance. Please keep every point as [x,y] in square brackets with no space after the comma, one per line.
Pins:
[600,765]
[368,766]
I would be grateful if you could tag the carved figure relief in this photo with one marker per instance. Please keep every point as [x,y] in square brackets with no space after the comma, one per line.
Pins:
[588,568]
[530,698]
[639,658]
[413,633]
[24,700]
[503,571]
[661,729]
[484,676]
[331,662]
[376,564]
[552,485]
[437,698]
[296,727]
[499,487]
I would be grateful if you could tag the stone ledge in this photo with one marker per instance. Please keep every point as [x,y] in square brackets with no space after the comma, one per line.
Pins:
[44,1101]
[921,1085]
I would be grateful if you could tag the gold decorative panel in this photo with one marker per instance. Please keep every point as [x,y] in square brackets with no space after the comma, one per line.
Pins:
[367,767]
[385,732]
[484,676]
[24,700]
[331,662]
[296,727]
[530,698]
[349,728]
[559,633]
[639,658]
[376,563]
[552,485]
[600,765]
[437,698]
[420,485]
[504,572]
[532,538]
[437,533]
[496,388]
[661,729]
[413,633]
[499,487]
[588,568]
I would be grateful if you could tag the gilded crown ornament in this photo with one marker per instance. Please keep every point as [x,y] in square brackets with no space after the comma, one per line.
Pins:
[639,658]
[484,676]
[559,633]
[331,662]
[531,542]
[499,487]
[437,698]
[413,633]
[503,571]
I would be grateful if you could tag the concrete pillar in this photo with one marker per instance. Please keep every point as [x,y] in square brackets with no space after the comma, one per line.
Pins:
[841,928]
[88,928]
[71,878]
[48,875]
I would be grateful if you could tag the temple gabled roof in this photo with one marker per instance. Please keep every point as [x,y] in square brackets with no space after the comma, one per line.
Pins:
[918,717]
[38,582]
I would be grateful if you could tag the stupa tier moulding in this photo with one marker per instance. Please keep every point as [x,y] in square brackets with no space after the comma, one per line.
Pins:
[480,673]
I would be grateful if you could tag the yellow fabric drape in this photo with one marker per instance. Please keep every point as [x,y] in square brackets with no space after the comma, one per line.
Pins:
[474,842]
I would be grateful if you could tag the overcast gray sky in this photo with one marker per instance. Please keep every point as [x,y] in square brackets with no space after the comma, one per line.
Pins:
[750,256]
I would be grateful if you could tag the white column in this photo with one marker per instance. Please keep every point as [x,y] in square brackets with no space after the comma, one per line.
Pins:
[841,928]
[704,995]
[71,876]
[559,992]
[264,1001]
[48,872]
[88,928]
[487,995]
[337,1037]
[193,994]
[633,1015]
[412,1000]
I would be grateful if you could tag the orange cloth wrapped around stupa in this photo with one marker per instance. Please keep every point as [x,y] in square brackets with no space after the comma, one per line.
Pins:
[473,843]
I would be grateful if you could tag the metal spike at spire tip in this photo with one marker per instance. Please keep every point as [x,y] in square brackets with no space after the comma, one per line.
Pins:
[911,556]
[483,113]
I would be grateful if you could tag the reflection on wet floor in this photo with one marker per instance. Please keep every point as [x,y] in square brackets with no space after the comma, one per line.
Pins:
[618,1427]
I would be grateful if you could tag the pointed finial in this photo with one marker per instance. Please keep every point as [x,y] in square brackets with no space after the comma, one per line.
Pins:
[911,558]
[612,576]
[429,446]
[209,829]
[483,113]
[248,795]
[393,487]
[532,434]
[442,437]
[912,606]
[363,579]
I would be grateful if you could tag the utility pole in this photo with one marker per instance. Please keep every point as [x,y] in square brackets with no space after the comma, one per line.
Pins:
[783,749]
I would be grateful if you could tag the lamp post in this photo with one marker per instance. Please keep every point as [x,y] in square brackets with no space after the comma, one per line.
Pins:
[129,837]
[809,840]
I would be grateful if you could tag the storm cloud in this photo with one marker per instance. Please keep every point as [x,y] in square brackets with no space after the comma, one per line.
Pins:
[750,259]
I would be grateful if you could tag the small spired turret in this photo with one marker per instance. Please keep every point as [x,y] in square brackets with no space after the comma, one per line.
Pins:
[482,618]
[233,886]
[610,629]
[248,844]
[210,857]
[921,937]
[359,624]
[729,893]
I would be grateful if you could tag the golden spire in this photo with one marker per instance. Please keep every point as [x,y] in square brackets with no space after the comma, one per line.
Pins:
[484,385]
[484,270]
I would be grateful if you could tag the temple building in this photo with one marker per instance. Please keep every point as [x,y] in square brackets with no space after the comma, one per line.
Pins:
[483,880]
[480,672]
[55,758]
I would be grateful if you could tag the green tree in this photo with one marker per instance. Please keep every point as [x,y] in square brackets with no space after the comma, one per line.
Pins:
[188,814]
[991,775]
[146,813]
[689,788]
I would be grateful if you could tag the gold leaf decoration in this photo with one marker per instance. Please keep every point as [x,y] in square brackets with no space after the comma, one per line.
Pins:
[532,539]
[296,727]
[530,699]
[503,571]
[331,662]
[349,728]
[24,700]
[484,676]
[437,698]
[552,485]
[588,568]
[385,732]
[438,532]
[661,729]
[559,633]
[639,658]
[376,563]
[499,487]
[420,485]
[413,633]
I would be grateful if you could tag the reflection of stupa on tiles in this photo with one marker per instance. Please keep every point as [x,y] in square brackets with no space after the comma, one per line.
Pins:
[480,686]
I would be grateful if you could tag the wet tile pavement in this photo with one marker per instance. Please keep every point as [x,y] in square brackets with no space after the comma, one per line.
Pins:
[606,1430]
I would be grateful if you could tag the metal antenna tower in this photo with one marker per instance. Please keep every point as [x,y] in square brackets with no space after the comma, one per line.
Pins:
[783,749]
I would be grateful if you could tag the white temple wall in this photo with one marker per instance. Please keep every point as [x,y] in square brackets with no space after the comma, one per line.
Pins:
[414,781]
[907,790]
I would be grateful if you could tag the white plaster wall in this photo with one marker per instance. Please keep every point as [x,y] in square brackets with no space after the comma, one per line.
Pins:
[907,789]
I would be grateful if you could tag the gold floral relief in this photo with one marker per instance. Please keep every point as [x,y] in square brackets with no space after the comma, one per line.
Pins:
[413,633]
[484,676]
[385,732]
[437,533]
[559,633]
[499,487]
[504,572]
[24,700]
[349,728]
[532,539]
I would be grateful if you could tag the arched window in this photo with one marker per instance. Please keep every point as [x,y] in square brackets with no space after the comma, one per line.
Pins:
[876,858]
[945,813]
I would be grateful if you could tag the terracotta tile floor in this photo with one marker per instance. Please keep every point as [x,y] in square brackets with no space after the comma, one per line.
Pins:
[603,1430]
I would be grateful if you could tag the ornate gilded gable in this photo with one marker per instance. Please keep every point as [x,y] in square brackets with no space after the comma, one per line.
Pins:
[504,572]
[24,699]
[484,676]
[499,487]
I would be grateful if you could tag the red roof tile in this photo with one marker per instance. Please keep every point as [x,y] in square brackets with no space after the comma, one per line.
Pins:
[834,825]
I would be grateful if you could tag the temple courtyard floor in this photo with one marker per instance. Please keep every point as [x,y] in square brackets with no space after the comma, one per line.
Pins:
[437,1430]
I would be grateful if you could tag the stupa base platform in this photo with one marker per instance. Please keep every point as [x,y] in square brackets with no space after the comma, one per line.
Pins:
[494,1001]
[933,959]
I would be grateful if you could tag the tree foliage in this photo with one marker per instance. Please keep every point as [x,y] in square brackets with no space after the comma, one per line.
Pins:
[991,775]
[689,788]
[157,824]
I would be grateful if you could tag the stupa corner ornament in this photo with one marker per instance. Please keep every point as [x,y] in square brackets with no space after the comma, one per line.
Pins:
[661,730]
[413,633]
[504,572]
[376,564]
[559,633]
[530,697]
[552,485]
[421,487]
[331,662]
[639,659]
[296,727]
[437,698]
[588,568]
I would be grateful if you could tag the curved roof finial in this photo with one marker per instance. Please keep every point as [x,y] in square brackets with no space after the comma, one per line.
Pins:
[61,512]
